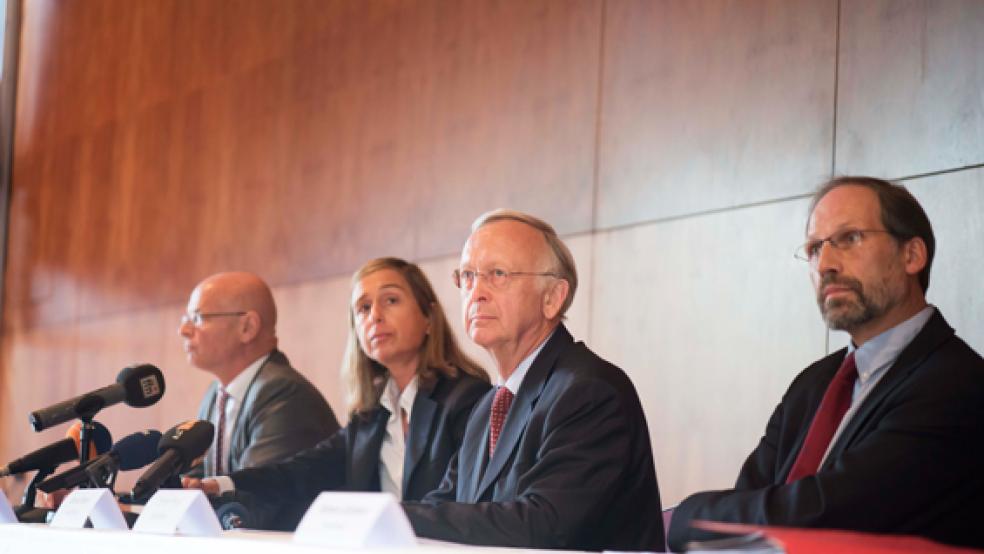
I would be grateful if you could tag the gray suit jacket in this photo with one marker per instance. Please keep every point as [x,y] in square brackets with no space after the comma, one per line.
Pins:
[282,414]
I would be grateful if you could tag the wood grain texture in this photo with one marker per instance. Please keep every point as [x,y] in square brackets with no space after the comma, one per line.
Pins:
[160,141]
[163,141]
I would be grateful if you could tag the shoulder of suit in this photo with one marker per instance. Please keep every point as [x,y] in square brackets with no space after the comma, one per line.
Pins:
[277,368]
[579,364]
[276,378]
[461,385]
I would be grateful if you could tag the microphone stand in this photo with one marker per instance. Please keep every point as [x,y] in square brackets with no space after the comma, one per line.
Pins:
[85,437]
[31,492]
[86,409]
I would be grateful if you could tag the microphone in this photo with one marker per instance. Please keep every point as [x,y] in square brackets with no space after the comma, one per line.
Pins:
[65,450]
[179,448]
[138,385]
[231,513]
[133,451]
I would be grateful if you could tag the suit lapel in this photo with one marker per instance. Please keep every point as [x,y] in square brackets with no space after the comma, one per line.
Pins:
[365,450]
[522,407]
[239,441]
[935,333]
[421,425]
[829,366]
[474,449]
[209,463]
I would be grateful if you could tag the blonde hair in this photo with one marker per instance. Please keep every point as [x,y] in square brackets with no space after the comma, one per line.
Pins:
[563,259]
[364,377]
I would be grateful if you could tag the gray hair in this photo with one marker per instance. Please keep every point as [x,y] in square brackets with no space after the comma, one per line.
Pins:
[563,259]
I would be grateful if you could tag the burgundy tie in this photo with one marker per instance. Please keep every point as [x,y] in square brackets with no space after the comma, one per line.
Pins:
[832,408]
[500,408]
[220,406]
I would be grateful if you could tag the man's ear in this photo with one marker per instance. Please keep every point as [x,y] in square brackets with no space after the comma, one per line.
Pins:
[915,255]
[554,297]
[249,326]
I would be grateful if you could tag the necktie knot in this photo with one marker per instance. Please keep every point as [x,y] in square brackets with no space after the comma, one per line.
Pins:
[848,371]
[500,409]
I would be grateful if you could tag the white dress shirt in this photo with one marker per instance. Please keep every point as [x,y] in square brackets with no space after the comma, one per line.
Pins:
[392,452]
[236,389]
[516,378]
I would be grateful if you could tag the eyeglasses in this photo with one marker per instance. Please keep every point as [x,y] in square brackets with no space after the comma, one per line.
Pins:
[198,318]
[841,240]
[497,278]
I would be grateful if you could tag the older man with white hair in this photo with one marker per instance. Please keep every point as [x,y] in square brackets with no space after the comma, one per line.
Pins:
[558,455]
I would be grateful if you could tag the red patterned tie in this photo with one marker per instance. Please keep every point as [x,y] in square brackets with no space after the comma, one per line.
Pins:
[832,408]
[220,406]
[500,408]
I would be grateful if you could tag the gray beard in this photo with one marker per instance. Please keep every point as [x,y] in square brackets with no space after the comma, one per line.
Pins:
[846,315]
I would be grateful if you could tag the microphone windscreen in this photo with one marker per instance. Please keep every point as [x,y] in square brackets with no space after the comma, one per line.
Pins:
[137,450]
[100,439]
[144,385]
[190,440]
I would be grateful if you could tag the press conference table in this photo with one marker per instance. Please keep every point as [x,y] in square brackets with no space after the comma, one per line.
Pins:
[30,537]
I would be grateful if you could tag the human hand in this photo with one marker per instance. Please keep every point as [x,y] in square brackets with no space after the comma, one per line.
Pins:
[208,486]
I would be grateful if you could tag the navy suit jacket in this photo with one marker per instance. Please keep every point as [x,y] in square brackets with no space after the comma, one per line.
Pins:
[909,461]
[573,467]
[349,459]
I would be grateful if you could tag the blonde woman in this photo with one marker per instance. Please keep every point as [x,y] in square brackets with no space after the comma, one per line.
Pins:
[410,388]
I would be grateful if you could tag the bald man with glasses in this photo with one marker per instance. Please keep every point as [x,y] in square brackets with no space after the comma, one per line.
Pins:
[263,410]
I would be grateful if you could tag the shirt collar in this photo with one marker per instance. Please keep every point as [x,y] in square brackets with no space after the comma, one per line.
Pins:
[516,379]
[240,383]
[879,353]
[393,398]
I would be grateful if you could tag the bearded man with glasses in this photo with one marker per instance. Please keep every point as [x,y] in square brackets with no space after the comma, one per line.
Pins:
[558,454]
[264,410]
[886,435]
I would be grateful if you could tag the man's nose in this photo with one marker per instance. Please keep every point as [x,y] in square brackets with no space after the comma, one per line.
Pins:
[828,259]
[185,329]
[479,290]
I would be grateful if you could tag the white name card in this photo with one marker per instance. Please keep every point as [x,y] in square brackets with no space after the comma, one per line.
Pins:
[178,511]
[96,505]
[355,519]
[6,512]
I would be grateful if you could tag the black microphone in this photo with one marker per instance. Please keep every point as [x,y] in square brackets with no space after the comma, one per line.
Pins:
[65,450]
[139,386]
[179,448]
[133,451]
[231,513]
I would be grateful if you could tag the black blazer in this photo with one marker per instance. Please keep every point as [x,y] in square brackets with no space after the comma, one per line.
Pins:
[908,462]
[573,467]
[349,459]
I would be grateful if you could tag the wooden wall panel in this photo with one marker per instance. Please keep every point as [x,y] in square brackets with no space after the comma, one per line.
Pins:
[711,104]
[160,141]
[711,330]
[167,140]
[909,92]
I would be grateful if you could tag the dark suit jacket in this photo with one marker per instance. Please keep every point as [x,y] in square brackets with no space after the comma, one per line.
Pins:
[282,414]
[349,460]
[909,461]
[573,467]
